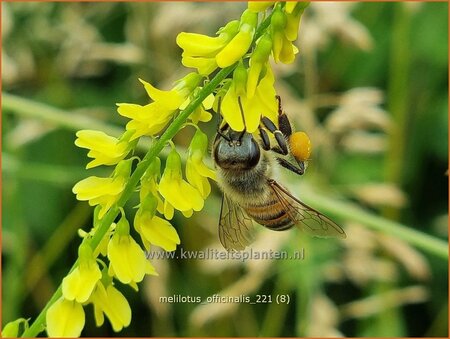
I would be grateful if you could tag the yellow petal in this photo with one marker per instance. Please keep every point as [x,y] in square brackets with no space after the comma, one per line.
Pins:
[65,319]
[200,45]
[287,55]
[187,214]
[252,114]
[204,66]
[169,99]
[132,111]
[160,232]
[119,311]
[80,283]
[168,210]
[196,179]
[231,111]
[235,49]
[253,78]
[195,199]
[93,187]
[266,96]
[290,5]
[127,259]
[94,139]
[208,102]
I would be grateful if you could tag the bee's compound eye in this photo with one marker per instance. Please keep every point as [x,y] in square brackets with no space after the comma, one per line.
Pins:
[300,145]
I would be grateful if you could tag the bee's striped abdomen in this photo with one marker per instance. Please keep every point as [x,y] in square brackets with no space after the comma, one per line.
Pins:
[270,214]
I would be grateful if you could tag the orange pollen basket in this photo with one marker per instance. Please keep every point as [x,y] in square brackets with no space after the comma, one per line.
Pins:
[300,145]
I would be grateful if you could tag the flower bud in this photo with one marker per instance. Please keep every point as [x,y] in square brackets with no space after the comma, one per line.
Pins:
[123,226]
[188,83]
[278,23]
[257,60]
[199,142]
[293,21]
[11,329]
[148,206]
[240,79]
[240,44]
[123,168]
[85,251]
[173,162]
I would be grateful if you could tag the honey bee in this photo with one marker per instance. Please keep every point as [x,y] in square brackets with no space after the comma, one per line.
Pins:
[244,173]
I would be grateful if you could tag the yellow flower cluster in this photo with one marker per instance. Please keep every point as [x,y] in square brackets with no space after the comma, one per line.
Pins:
[246,96]
[253,82]
[88,283]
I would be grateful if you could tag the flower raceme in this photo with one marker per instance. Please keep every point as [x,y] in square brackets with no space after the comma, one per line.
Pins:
[245,97]
[207,53]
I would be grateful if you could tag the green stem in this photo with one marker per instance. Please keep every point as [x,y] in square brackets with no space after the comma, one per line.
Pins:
[108,219]
[349,211]
[39,324]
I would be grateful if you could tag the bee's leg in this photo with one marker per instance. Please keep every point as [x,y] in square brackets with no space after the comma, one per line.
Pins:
[296,169]
[283,121]
[265,141]
[280,138]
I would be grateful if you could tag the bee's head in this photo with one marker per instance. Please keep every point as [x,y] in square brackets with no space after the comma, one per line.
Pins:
[235,150]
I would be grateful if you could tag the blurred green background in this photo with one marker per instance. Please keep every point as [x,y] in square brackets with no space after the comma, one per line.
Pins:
[370,87]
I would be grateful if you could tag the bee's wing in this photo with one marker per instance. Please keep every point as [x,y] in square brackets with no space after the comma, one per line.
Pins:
[235,227]
[305,217]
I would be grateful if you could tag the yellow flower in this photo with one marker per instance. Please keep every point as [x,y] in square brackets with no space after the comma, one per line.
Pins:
[181,195]
[146,120]
[104,191]
[282,49]
[65,319]
[263,102]
[104,149]
[152,118]
[240,43]
[197,173]
[168,210]
[257,62]
[294,11]
[100,191]
[79,284]
[199,51]
[157,231]
[207,53]
[113,304]
[127,259]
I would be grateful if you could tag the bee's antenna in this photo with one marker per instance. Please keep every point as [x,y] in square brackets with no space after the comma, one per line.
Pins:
[280,109]
[219,130]
[243,119]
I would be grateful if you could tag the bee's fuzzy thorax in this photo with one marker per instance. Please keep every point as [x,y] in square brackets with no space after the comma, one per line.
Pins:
[249,186]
